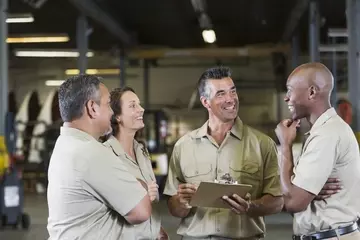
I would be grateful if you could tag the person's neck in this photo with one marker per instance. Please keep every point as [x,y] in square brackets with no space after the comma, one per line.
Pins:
[218,129]
[317,112]
[126,139]
[85,126]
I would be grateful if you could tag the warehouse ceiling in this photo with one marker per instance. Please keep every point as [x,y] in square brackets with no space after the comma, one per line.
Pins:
[173,23]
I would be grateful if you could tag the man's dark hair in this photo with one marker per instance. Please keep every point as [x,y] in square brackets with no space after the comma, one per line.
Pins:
[75,92]
[219,72]
[115,103]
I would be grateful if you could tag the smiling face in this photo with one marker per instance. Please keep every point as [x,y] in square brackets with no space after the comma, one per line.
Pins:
[298,97]
[131,116]
[223,102]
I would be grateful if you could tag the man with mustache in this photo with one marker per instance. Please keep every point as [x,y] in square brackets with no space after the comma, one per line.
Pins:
[330,151]
[224,144]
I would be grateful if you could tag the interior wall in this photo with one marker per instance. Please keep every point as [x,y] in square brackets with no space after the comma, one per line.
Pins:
[172,86]
[168,86]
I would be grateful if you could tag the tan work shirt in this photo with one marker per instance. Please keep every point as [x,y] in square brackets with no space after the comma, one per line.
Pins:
[331,150]
[140,168]
[89,190]
[248,155]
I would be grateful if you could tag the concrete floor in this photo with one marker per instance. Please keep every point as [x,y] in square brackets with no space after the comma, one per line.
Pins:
[278,226]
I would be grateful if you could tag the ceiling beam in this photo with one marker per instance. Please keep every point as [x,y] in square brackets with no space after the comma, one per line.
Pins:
[246,51]
[294,19]
[334,48]
[338,32]
[92,10]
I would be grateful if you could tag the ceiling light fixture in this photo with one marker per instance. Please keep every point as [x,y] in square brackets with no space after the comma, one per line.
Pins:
[94,71]
[49,53]
[209,36]
[54,83]
[20,18]
[38,39]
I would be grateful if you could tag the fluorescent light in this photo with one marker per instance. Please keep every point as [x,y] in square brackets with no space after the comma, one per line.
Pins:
[54,83]
[209,36]
[38,39]
[20,18]
[49,53]
[94,71]
[338,32]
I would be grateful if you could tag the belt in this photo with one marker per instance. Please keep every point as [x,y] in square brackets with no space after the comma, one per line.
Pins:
[328,234]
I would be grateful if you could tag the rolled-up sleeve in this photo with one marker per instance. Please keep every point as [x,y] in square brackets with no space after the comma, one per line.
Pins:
[172,182]
[316,163]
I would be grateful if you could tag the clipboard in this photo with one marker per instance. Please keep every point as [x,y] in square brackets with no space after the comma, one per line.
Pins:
[209,194]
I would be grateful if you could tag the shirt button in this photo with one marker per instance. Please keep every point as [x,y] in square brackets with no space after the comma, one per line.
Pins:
[218,229]
[219,171]
[196,172]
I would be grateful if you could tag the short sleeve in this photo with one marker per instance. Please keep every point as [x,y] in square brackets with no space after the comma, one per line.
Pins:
[271,169]
[172,182]
[316,163]
[109,178]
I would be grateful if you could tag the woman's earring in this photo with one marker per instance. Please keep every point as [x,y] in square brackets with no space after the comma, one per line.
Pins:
[119,120]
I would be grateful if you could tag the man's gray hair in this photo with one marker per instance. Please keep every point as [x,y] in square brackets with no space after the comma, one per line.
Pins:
[75,92]
[219,72]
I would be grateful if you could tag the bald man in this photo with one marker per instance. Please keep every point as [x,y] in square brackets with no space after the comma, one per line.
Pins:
[330,151]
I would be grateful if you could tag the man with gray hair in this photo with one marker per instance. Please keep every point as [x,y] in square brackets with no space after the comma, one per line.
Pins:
[91,195]
[223,145]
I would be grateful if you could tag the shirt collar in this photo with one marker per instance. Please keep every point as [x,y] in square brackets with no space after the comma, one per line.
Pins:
[119,150]
[115,145]
[328,114]
[74,132]
[236,130]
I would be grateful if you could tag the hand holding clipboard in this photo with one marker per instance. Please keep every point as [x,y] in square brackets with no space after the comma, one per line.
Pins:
[210,194]
[218,194]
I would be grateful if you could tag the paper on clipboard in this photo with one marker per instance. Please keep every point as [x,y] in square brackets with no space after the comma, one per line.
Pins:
[209,194]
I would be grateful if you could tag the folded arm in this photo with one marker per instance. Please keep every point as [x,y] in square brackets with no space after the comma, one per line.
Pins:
[295,199]
[314,167]
[119,190]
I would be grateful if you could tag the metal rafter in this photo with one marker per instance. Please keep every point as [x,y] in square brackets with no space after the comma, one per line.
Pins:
[294,18]
[92,10]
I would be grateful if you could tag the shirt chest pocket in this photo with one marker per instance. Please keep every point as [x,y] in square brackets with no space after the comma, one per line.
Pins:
[247,173]
[195,175]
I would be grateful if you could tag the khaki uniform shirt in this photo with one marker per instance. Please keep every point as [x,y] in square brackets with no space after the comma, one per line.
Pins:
[141,169]
[89,190]
[330,150]
[248,155]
